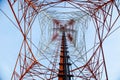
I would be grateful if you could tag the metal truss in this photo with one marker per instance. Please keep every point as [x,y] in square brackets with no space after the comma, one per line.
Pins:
[87,24]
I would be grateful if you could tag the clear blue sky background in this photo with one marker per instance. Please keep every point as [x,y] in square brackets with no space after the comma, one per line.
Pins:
[10,41]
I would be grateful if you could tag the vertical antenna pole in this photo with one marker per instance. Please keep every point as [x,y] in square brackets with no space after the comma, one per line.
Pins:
[64,71]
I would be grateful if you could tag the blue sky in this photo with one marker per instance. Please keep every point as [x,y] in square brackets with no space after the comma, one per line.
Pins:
[10,43]
[0,1]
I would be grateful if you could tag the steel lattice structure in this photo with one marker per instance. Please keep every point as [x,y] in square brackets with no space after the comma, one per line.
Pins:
[63,38]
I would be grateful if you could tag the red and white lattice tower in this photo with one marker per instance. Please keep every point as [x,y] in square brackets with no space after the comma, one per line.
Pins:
[63,39]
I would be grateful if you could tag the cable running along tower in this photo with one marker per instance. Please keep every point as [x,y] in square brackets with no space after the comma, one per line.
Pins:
[63,39]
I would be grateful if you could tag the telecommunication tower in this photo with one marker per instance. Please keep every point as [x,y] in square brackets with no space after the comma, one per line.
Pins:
[63,39]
